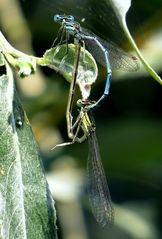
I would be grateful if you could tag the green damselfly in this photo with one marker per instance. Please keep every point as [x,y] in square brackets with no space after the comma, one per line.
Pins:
[98,191]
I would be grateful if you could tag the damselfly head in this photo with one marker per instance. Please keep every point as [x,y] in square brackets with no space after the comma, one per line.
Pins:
[60,18]
[84,103]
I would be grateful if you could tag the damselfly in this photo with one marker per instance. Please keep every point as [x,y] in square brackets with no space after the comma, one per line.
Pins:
[98,190]
[106,53]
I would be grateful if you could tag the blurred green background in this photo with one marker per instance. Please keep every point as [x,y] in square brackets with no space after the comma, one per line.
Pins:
[129,122]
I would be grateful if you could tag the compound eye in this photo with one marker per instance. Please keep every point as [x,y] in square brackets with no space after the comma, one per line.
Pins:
[71,18]
[56,18]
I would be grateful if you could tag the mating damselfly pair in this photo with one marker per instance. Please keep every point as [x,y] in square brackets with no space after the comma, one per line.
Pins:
[110,56]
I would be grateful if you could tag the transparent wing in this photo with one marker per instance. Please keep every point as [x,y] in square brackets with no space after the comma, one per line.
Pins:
[119,59]
[98,190]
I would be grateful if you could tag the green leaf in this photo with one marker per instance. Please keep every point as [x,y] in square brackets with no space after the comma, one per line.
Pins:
[120,8]
[26,206]
[25,64]
[59,60]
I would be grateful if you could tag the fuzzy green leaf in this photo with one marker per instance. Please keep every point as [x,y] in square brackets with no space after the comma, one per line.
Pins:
[57,59]
[26,206]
